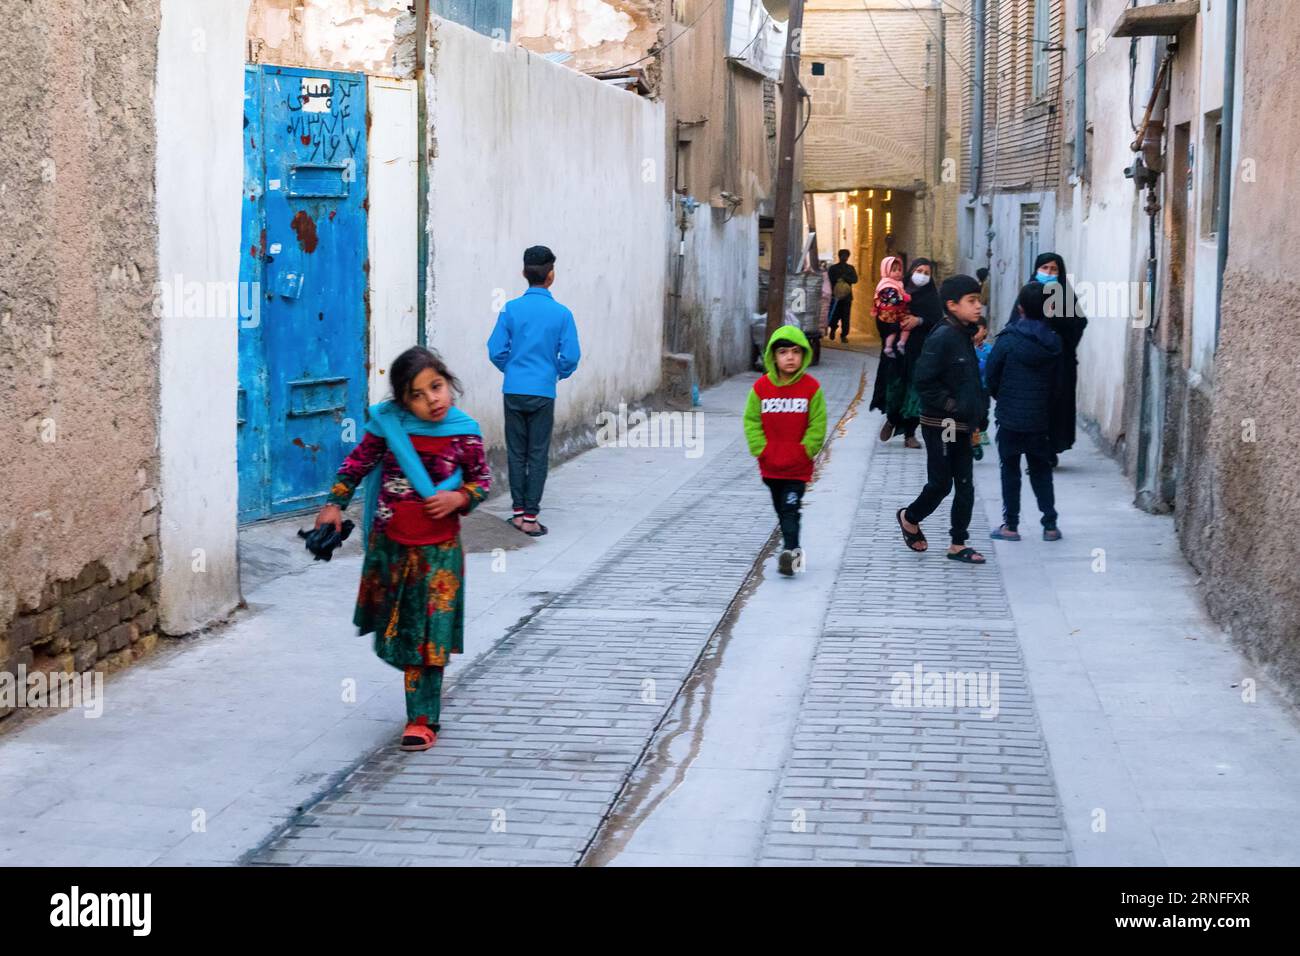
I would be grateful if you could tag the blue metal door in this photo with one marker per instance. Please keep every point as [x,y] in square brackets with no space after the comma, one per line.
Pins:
[302,355]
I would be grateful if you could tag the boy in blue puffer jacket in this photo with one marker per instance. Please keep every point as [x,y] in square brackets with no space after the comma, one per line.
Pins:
[1024,375]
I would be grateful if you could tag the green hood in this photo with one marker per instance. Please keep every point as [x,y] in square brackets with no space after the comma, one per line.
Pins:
[794,335]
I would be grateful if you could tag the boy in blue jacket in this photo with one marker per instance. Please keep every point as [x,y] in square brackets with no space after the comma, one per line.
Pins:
[1024,375]
[535,343]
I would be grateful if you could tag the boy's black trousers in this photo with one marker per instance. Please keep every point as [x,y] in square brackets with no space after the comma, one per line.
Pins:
[787,496]
[947,464]
[1037,449]
[529,419]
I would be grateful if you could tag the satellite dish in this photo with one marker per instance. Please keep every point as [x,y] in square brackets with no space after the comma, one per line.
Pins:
[778,9]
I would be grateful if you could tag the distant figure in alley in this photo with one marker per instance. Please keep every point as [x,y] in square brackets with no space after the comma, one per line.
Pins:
[535,343]
[843,277]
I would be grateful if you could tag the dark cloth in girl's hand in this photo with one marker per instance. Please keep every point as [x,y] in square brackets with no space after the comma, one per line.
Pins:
[323,540]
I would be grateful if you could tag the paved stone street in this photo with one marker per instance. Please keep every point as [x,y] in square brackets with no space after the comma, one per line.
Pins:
[641,688]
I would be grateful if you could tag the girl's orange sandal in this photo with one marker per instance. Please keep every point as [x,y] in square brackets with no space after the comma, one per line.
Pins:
[418,737]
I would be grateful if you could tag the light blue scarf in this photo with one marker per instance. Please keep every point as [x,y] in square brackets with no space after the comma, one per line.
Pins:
[395,425]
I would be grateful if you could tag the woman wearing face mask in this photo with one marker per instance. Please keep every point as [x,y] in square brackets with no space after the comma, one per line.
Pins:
[894,393]
[1067,321]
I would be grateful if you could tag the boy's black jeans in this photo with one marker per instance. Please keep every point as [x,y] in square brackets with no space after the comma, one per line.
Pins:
[528,447]
[787,496]
[947,464]
[1037,449]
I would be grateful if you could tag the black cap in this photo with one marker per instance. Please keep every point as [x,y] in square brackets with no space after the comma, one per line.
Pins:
[538,256]
[954,287]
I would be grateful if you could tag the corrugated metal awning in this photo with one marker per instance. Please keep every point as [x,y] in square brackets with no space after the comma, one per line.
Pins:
[1156,19]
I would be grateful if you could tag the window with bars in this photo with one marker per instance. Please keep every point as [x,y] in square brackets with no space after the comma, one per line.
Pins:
[1029,216]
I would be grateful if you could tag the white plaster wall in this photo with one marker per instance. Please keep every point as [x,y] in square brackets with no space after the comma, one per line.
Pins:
[393,226]
[1006,275]
[528,152]
[1101,229]
[199,107]
[720,281]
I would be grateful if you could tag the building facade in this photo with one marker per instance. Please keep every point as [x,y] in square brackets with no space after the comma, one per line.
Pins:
[1165,188]
[714,68]
[199,353]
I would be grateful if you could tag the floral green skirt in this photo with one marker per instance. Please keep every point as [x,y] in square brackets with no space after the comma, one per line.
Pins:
[413,600]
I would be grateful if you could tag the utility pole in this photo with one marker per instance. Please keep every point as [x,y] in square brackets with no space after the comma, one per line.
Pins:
[782,225]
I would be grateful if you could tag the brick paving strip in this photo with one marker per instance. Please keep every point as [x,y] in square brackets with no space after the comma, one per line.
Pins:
[870,782]
[540,735]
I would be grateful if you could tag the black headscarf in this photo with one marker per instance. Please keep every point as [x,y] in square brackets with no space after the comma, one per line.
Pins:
[1069,326]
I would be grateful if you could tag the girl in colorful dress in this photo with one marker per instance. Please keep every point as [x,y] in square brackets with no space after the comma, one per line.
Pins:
[891,305]
[431,469]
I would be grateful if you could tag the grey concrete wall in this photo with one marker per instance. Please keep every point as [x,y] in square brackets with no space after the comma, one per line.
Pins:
[79,365]
[1252,577]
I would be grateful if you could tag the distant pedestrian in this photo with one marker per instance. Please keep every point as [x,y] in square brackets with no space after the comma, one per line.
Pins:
[535,343]
[953,405]
[1064,316]
[843,277]
[891,306]
[785,425]
[982,276]
[1025,375]
[424,466]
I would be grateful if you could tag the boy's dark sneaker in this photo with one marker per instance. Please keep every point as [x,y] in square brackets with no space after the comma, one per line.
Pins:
[1051,534]
[785,563]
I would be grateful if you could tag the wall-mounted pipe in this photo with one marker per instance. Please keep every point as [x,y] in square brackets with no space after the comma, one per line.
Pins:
[422,168]
[977,107]
[1081,92]
[1227,165]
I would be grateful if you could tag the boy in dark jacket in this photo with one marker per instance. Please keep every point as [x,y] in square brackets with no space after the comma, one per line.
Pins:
[785,425]
[1025,375]
[953,404]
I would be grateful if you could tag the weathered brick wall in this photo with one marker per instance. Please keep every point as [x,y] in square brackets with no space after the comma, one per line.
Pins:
[88,622]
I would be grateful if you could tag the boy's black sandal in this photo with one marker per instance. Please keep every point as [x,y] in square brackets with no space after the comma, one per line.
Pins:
[967,556]
[910,538]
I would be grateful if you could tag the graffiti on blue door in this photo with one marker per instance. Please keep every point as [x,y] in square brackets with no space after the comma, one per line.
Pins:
[302,355]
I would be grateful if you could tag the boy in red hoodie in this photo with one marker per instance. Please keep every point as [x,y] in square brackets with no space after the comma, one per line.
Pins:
[785,425]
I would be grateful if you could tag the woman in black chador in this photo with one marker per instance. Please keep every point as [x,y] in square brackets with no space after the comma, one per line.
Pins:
[1067,321]
[894,394]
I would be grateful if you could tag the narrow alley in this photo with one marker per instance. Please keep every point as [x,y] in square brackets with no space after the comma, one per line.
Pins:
[645,690]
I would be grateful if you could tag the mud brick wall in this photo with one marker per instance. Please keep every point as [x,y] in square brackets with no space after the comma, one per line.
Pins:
[90,622]
[79,338]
